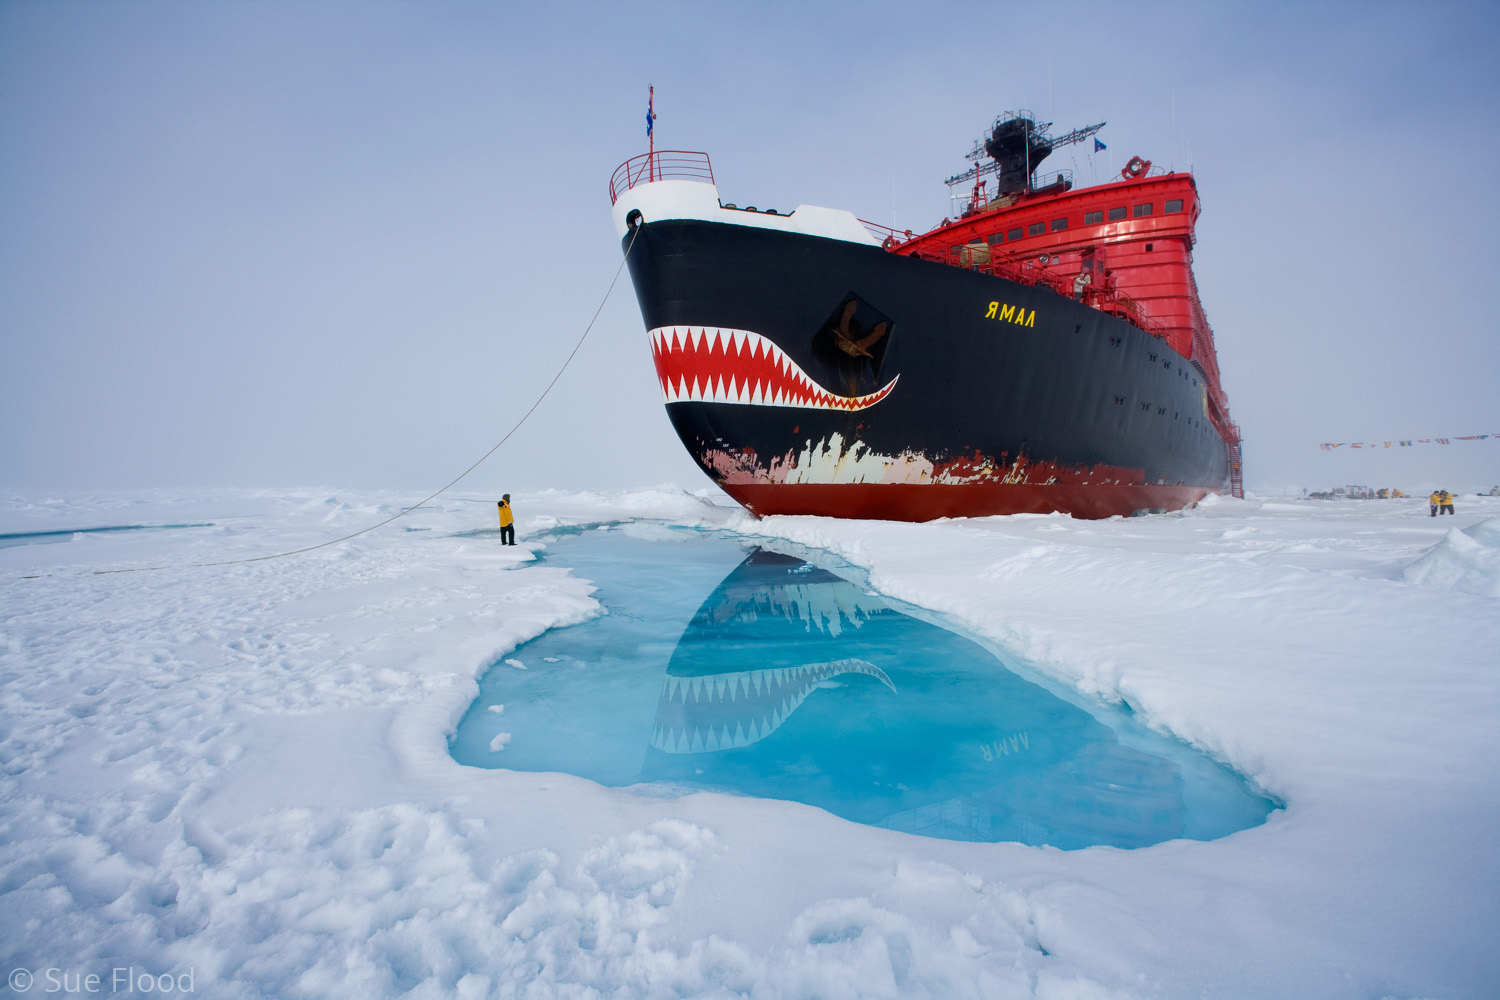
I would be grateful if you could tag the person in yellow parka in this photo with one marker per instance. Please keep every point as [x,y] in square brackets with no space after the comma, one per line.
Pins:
[1432,502]
[507,521]
[1445,502]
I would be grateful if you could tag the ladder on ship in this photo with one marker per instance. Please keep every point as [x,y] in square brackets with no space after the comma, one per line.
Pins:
[1236,474]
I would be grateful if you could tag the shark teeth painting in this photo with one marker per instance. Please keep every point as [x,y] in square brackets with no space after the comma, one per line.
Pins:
[709,364]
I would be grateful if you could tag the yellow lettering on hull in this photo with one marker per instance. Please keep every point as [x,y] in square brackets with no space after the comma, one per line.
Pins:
[1004,313]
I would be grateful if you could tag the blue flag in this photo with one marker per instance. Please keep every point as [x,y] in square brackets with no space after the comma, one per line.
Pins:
[1099,145]
[649,116]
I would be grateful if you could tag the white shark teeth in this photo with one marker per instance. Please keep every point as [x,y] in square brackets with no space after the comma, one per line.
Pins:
[707,364]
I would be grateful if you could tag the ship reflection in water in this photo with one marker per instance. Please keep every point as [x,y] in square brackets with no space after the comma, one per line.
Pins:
[791,682]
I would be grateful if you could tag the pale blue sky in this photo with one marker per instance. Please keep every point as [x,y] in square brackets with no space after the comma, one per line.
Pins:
[345,244]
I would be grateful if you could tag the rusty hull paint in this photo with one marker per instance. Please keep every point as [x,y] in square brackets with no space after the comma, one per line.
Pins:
[830,463]
[911,487]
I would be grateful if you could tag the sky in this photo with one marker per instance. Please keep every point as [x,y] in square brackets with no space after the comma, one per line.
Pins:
[349,244]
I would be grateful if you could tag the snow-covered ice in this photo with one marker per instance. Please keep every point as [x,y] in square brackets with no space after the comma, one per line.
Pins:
[241,771]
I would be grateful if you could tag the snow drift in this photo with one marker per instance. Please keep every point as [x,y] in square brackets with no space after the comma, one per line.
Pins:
[241,772]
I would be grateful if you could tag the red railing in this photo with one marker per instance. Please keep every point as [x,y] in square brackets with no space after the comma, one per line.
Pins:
[662,165]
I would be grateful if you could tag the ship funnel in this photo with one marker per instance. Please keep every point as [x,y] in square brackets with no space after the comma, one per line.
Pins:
[1018,145]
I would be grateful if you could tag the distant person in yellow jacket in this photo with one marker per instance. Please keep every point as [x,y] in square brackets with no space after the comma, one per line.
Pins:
[1433,502]
[507,521]
[1445,501]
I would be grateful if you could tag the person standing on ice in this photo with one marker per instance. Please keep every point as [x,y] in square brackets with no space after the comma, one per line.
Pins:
[1433,501]
[507,521]
[1445,502]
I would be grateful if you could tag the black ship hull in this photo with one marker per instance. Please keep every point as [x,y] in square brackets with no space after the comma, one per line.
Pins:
[808,375]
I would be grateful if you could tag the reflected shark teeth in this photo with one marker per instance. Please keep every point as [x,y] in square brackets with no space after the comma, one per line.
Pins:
[707,364]
[735,709]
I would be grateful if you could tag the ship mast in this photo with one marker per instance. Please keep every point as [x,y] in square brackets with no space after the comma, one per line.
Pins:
[650,131]
[1016,145]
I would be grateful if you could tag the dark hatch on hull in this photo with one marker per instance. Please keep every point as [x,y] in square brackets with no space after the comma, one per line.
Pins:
[849,348]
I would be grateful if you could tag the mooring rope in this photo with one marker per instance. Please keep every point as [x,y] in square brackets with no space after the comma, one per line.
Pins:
[635,231]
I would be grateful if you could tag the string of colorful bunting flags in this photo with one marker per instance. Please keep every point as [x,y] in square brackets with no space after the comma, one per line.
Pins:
[1408,443]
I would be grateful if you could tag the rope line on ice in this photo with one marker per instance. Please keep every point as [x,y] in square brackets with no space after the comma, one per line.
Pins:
[1407,443]
[634,232]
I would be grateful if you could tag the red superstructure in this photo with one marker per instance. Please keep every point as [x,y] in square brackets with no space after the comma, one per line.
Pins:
[1124,248]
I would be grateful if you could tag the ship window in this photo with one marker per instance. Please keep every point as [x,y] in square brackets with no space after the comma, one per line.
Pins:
[996,238]
[1014,234]
[1116,214]
[1141,211]
[1093,218]
[1036,229]
[1059,224]
[1175,205]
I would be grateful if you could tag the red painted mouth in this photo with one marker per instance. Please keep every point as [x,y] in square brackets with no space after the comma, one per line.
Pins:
[708,364]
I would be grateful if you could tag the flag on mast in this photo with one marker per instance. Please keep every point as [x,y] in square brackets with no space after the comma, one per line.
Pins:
[650,139]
